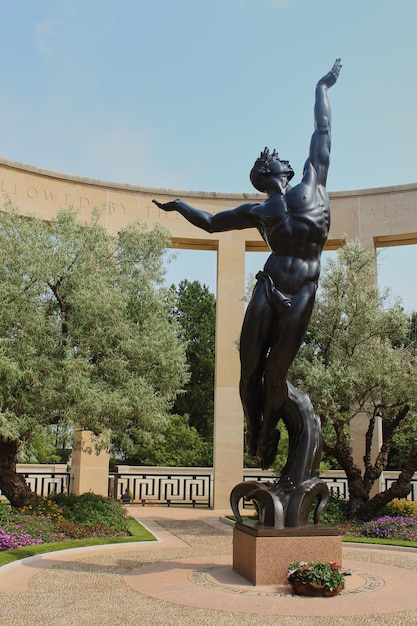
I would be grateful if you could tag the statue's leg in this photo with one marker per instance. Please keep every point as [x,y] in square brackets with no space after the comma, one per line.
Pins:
[275,392]
[288,335]
[254,346]
[251,394]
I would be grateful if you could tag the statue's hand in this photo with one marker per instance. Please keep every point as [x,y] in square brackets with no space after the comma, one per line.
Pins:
[168,206]
[331,77]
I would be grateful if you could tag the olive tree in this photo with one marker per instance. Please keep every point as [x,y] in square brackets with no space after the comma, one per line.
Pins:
[357,359]
[85,334]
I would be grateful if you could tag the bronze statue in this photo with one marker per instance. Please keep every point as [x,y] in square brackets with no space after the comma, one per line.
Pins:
[294,222]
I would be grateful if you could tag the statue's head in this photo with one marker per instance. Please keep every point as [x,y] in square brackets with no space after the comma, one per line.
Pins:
[269,166]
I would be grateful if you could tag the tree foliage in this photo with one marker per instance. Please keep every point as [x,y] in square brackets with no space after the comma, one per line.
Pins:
[177,445]
[187,438]
[195,311]
[357,359]
[85,333]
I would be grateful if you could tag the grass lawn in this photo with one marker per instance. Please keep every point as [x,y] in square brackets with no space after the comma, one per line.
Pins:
[137,532]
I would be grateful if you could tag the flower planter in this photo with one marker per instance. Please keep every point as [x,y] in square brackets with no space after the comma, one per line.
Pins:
[314,591]
[302,574]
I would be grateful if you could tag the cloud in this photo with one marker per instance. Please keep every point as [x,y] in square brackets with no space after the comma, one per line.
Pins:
[47,31]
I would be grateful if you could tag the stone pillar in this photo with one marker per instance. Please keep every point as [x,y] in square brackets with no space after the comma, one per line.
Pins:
[228,413]
[89,470]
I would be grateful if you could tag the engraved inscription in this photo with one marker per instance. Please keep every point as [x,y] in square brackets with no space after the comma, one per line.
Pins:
[389,212]
[32,192]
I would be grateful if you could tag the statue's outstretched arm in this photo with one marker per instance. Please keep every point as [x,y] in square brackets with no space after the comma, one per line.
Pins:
[234,219]
[320,141]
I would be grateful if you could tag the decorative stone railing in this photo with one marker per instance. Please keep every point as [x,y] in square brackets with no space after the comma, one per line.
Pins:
[172,486]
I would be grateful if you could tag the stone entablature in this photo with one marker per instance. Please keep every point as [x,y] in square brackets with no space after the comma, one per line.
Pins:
[381,216]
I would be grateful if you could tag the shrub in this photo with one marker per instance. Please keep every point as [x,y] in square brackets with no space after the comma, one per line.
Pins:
[401,507]
[90,509]
[5,510]
[42,507]
[39,527]
[73,517]
[336,510]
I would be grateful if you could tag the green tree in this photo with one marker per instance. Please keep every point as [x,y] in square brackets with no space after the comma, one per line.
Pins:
[357,358]
[195,311]
[42,448]
[402,441]
[85,334]
[179,445]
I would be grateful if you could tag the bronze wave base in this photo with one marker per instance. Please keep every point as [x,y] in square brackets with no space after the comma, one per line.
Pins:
[288,501]
[282,504]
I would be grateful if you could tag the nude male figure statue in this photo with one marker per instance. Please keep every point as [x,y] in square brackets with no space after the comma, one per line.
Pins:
[294,222]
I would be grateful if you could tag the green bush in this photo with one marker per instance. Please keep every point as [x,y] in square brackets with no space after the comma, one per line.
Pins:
[336,510]
[42,507]
[90,509]
[5,509]
[74,517]
[404,507]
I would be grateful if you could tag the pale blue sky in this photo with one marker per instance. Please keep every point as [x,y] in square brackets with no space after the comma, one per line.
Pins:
[185,93]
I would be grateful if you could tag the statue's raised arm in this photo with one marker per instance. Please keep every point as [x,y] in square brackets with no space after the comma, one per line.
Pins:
[319,155]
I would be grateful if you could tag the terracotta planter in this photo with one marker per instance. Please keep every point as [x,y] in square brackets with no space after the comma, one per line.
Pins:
[313,590]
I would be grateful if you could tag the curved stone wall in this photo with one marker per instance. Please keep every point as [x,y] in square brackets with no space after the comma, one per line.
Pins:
[382,216]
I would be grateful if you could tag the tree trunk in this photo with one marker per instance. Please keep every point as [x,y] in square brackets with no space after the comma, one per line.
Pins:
[399,489]
[358,495]
[342,452]
[12,484]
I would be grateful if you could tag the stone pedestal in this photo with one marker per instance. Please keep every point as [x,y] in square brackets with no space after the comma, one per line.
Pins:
[262,554]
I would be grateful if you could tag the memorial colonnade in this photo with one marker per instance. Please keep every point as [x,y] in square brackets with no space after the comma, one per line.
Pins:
[377,217]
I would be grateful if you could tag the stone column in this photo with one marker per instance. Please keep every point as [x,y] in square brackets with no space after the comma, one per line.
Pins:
[89,470]
[228,413]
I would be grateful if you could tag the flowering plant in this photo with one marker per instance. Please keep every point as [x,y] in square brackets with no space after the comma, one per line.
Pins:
[24,530]
[388,527]
[327,575]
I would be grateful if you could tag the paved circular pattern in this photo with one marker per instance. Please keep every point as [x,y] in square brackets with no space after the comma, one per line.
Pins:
[211,583]
[217,577]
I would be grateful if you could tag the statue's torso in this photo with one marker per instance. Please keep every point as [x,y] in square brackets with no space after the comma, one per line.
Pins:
[295,227]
